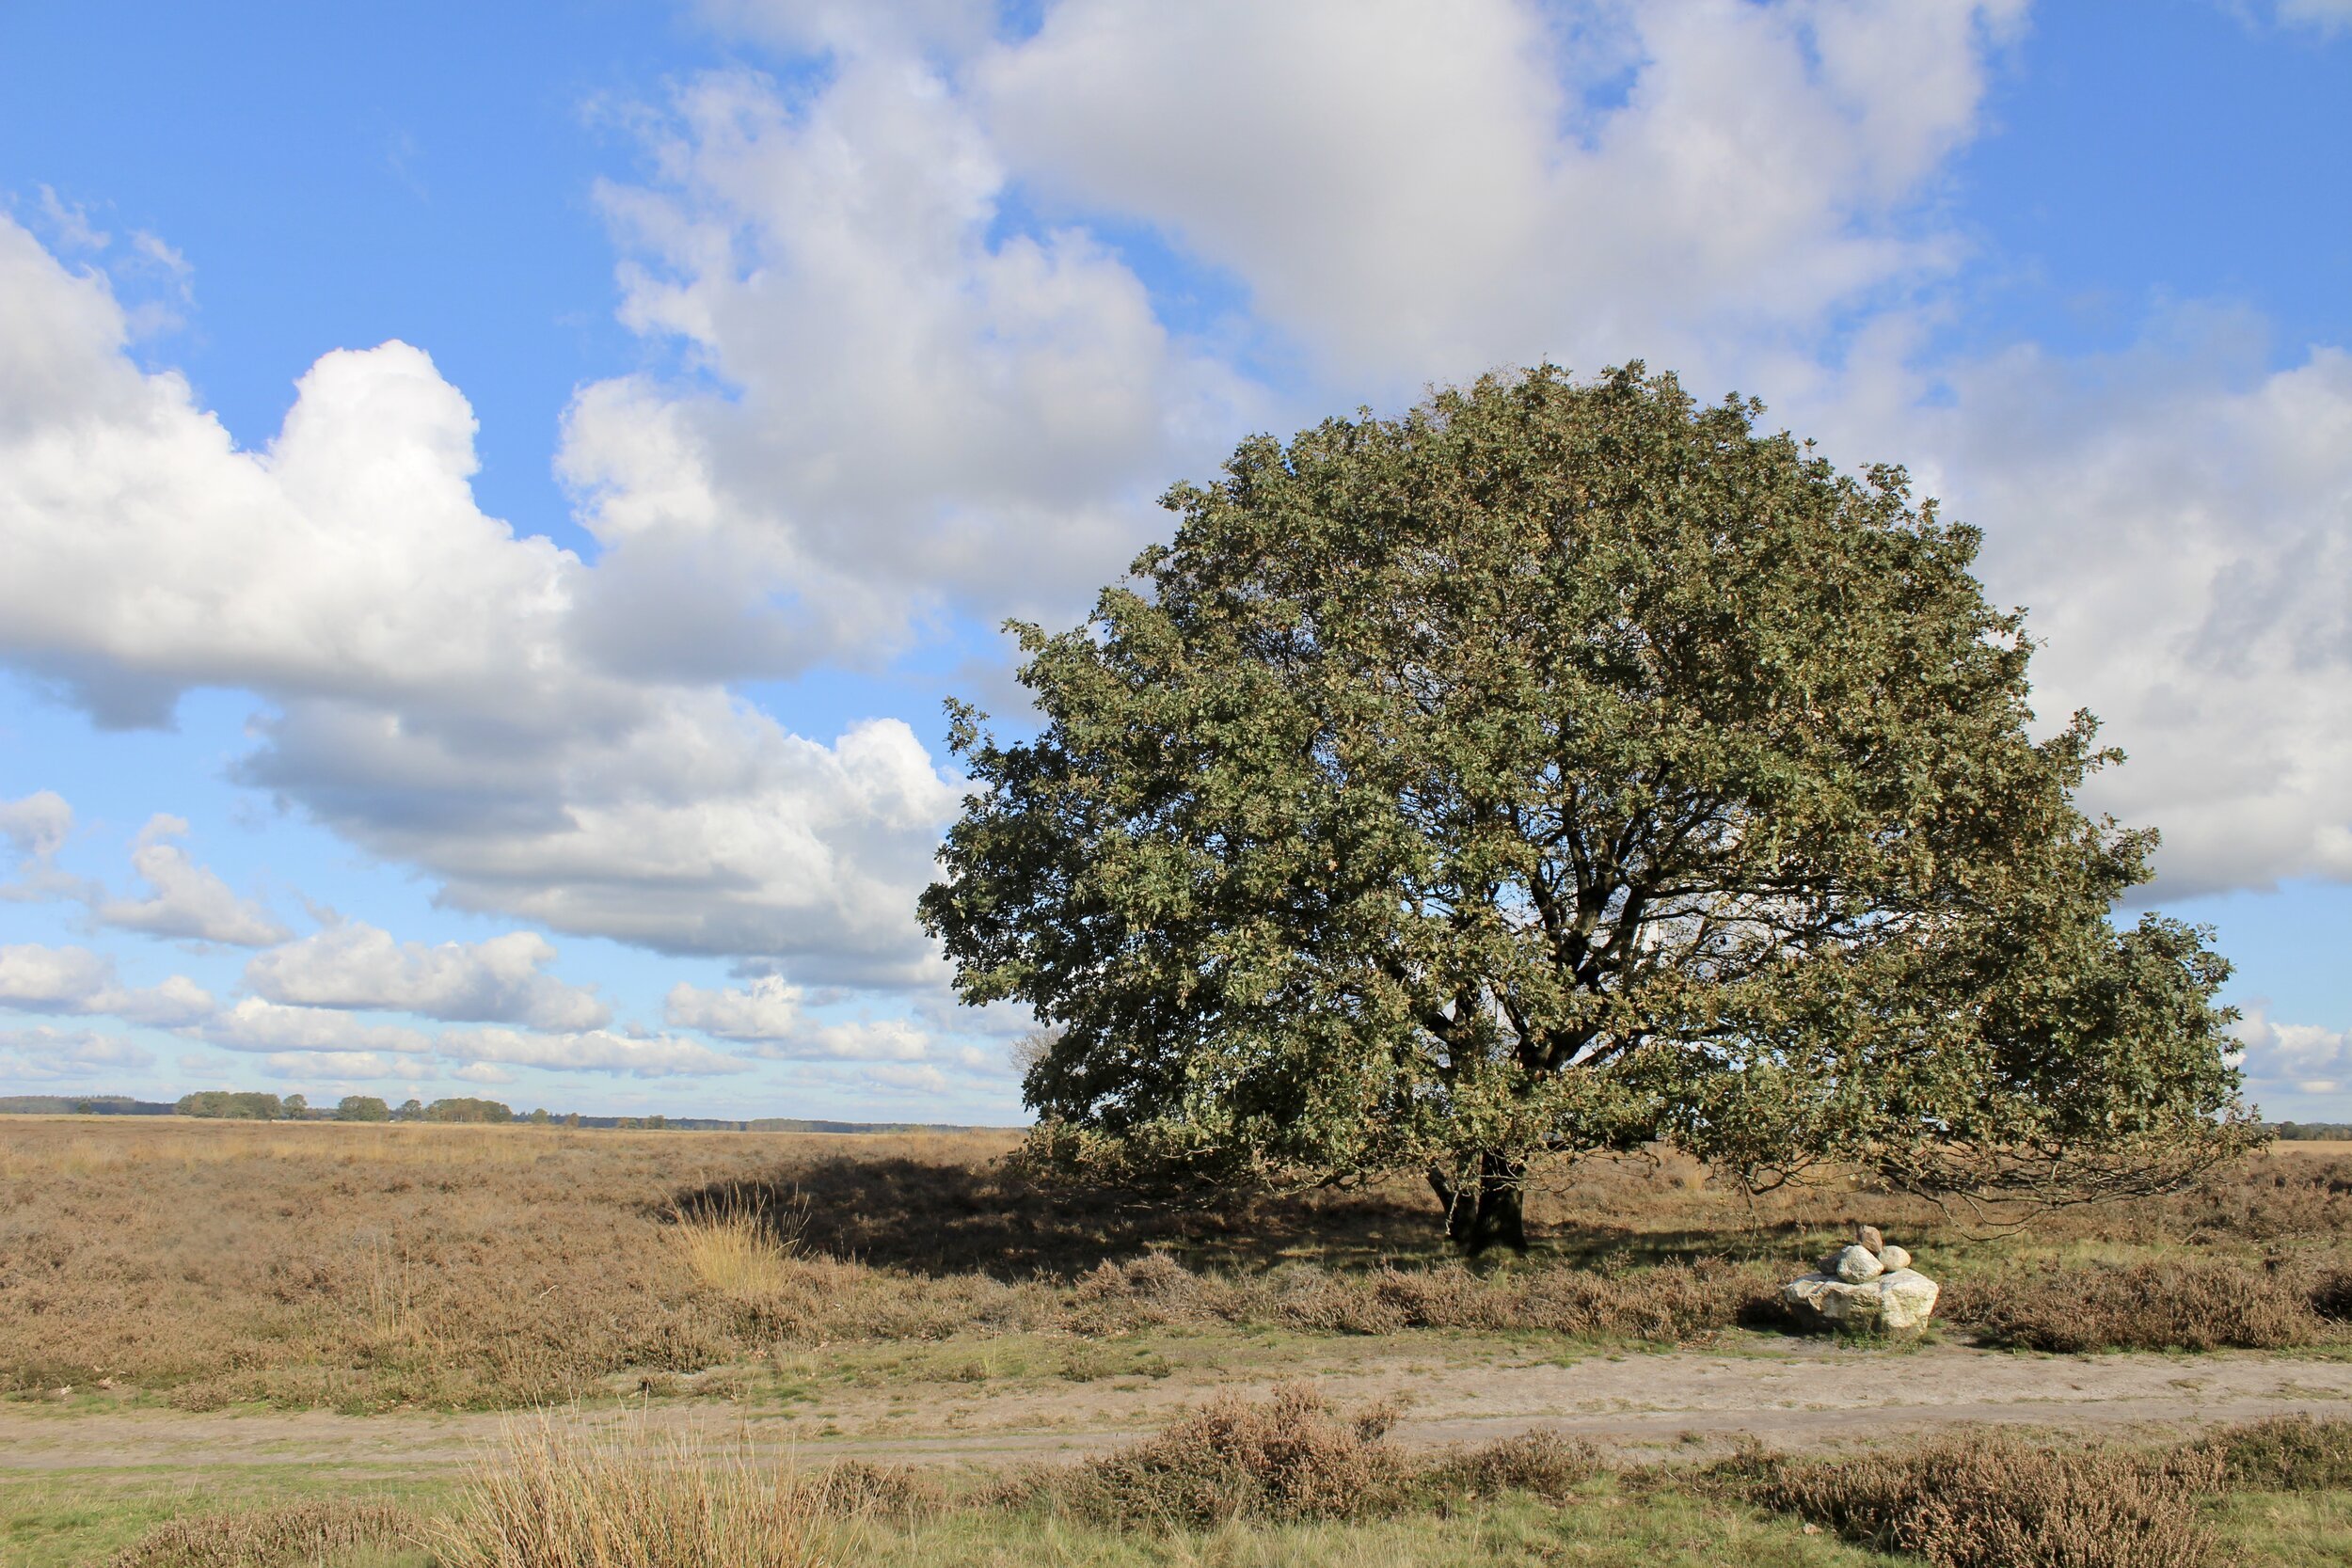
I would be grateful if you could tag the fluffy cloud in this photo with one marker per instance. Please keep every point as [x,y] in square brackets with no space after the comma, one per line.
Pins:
[595,1049]
[927,1080]
[499,981]
[184,899]
[52,1056]
[441,695]
[768,1009]
[910,405]
[345,1066]
[769,1013]
[34,829]
[1419,191]
[2178,522]
[76,982]
[2293,1058]
[256,1025]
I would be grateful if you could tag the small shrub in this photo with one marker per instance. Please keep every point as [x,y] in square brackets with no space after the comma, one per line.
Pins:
[2287,1453]
[1542,1463]
[1999,1503]
[856,1488]
[557,1500]
[2153,1306]
[2330,1295]
[283,1537]
[1293,1457]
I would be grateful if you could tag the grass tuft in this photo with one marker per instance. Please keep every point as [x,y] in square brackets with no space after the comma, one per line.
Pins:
[736,1255]
[561,1499]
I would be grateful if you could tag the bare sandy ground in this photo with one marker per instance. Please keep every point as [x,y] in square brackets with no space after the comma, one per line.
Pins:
[1788,1394]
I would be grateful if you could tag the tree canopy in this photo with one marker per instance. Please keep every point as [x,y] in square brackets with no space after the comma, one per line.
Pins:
[1565,767]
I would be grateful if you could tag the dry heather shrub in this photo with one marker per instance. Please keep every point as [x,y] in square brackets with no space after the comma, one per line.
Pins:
[1293,1457]
[1542,1463]
[2330,1295]
[2153,1306]
[2286,1453]
[855,1488]
[561,1500]
[294,1534]
[2000,1503]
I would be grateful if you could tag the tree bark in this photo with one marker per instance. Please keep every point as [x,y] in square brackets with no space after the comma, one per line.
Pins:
[1487,1208]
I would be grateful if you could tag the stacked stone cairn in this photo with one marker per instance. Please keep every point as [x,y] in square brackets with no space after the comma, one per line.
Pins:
[1868,1286]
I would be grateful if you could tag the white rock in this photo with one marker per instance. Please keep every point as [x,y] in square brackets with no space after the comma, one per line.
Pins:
[1856,1264]
[1901,1300]
[1892,1258]
[1908,1298]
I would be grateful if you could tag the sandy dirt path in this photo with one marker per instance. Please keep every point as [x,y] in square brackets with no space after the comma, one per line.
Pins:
[1790,1395]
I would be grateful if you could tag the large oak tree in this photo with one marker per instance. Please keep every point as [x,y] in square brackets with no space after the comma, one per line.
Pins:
[1567,767]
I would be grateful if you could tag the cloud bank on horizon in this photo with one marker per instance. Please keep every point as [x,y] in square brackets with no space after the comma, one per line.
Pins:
[931,311]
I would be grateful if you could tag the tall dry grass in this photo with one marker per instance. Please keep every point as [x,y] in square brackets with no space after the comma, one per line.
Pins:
[556,1497]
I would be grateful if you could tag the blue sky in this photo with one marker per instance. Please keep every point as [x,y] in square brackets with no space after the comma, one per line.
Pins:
[490,502]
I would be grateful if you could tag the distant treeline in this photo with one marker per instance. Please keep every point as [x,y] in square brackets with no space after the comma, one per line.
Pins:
[81,1105]
[239,1105]
[2301,1129]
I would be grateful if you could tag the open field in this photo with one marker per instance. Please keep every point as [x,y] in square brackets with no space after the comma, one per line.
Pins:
[197,1311]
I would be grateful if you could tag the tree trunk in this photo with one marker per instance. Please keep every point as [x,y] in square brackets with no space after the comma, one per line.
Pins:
[1488,1209]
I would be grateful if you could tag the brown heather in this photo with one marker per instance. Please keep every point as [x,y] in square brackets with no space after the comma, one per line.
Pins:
[2194,1306]
[2000,1502]
[1293,1458]
[2003,1501]
[362,1267]
[293,1535]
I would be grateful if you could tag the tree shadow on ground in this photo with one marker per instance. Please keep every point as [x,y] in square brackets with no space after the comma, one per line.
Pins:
[948,1217]
[942,1218]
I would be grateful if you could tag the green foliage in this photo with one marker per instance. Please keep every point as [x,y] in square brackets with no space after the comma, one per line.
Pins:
[467,1110]
[361,1108]
[297,1107]
[225,1103]
[1559,768]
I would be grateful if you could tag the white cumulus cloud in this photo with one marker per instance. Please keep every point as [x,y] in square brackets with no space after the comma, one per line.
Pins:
[2295,1058]
[184,900]
[768,1009]
[595,1049]
[503,980]
[46,1055]
[254,1025]
[36,828]
[440,693]
[76,982]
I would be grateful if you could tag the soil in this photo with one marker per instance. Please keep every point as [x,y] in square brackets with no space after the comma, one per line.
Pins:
[1790,1393]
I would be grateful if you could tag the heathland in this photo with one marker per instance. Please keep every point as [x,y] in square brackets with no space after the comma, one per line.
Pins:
[299,1342]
